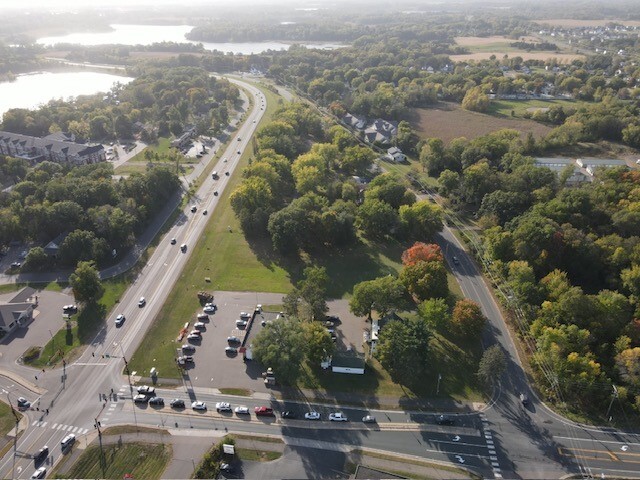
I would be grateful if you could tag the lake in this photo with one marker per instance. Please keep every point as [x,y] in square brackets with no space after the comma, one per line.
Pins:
[148,34]
[29,91]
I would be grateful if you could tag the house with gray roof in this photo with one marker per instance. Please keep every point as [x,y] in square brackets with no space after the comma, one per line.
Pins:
[18,311]
[50,148]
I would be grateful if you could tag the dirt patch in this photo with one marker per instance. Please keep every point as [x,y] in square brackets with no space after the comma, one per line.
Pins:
[449,121]
[560,57]
[572,22]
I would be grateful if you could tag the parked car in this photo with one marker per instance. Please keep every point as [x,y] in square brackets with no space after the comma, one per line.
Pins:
[264,411]
[312,416]
[199,405]
[40,473]
[146,390]
[120,320]
[231,351]
[140,398]
[188,348]
[41,455]
[288,414]
[200,325]
[202,317]
[16,265]
[159,401]
[240,323]
[245,315]
[369,419]
[223,407]
[70,309]
[242,410]
[209,308]
[142,302]
[338,417]
[233,340]
[197,333]
[194,338]
[177,403]
[226,467]
[444,420]
[67,441]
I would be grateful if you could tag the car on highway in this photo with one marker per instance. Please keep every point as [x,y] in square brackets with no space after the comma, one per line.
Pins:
[312,416]
[241,410]
[231,351]
[120,320]
[158,401]
[41,454]
[199,405]
[67,441]
[455,260]
[233,340]
[209,308]
[177,403]
[183,247]
[240,323]
[224,160]
[40,473]
[263,411]
[140,398]
[146,390]
[23,402]
[173,241]
[204,212]
[70,309]
[142,302]
[188,348]
[16,264]
[444,420]
[338,417]
[223,407]
[524,399]
[215,194]
[200,325]
[288,414]
[369,419]
[193,209]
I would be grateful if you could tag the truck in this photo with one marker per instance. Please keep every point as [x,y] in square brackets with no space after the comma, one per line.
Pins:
[205,297]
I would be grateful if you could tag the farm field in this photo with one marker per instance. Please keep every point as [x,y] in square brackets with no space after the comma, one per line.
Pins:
[449,121]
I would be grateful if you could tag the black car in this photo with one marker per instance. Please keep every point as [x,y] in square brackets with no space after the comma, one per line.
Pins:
[177,403]
[156,401]
[288,414]
[41,455]
[444,420]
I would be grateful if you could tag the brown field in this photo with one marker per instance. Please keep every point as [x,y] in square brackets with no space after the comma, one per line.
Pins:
[479,41]
[560,57]
[449,121]
[571,22]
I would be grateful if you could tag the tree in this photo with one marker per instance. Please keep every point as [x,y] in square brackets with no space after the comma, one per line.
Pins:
[467,318]
[78,246]
[356,160]
[281,345]
[391,189]
[425,280]
[422,252]
[421,220]
[631,279]
[475,100]
[86,284]
[628,365]
[311,291]
[318,343]
[382,294]
[36,259]
[377,219]
[492,365]
[403,350]
[435,312]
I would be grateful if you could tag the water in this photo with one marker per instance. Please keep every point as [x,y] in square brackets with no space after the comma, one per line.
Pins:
[148,34]
[29,91]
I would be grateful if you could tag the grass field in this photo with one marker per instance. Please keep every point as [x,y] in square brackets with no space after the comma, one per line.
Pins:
[251,455]
[448,121]
[503,108]
[562,58]
[7,421]
[141,460]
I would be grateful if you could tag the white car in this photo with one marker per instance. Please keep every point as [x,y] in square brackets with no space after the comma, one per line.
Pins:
[245,315]
[197,333]
[140,398]
[209,308]
[142,302]
[40,473]
[369,419]
[242,410]
[194,337]
[338,417]
[199,405]
[223,407]
[147,390]
[240,323]
[120,320]
[312,416]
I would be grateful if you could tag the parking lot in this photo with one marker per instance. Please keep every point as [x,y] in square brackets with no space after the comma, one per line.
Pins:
[214,368]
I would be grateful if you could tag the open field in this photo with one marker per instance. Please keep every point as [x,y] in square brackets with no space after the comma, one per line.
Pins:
[7,422]
[141,460]
[572,22]
[449,121]
[563,58]
[503,108]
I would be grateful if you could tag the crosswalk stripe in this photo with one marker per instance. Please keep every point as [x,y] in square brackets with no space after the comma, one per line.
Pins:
[59,427]
[54,426]
[75,429]
[495,464]
[84,431]
[34,423]
[44,424]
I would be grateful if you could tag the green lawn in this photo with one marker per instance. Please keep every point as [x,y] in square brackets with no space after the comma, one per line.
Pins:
[257,455]
[82,327]
[7,420]
[503,108]
[141,460]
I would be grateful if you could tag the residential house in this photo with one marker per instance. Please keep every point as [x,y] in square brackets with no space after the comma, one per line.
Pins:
[395,155]
[50,148]
[354,121]
[184,139]
[380,131]
[53,247]
[18,311]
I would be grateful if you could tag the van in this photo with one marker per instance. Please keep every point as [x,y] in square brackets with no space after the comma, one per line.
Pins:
[68,441]
[214,175]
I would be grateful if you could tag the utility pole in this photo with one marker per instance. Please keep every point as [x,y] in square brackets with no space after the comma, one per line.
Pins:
[15,437]
[126,369]
[614,395]
[102,459]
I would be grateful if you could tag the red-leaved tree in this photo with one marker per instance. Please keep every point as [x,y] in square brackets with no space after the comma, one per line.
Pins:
[422,252]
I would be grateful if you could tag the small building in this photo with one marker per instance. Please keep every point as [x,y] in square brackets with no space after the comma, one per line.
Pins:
[395,155]
[351,362]
[591,164]
[186,136]
[559,164]
[53,247]
[18,311]
[354,121]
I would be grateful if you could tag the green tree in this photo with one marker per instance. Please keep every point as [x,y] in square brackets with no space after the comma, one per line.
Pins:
[422,220]
[476,100]
[435,312]
[356,160]
[85,282]
[319,344]
[403,350]
[492,365]
[36,259]
[377,219]
[425,280]
[282,346]
[382,294]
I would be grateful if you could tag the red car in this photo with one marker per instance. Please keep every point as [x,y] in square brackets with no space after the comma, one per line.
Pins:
[264,411]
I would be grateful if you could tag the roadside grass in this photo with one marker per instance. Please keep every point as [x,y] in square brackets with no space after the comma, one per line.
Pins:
[240,392]
[7,421]
[80,329]
[258,438]
[257,455]
[141,460]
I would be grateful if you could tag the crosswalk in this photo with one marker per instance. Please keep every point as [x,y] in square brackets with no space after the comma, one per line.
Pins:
[497,473]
